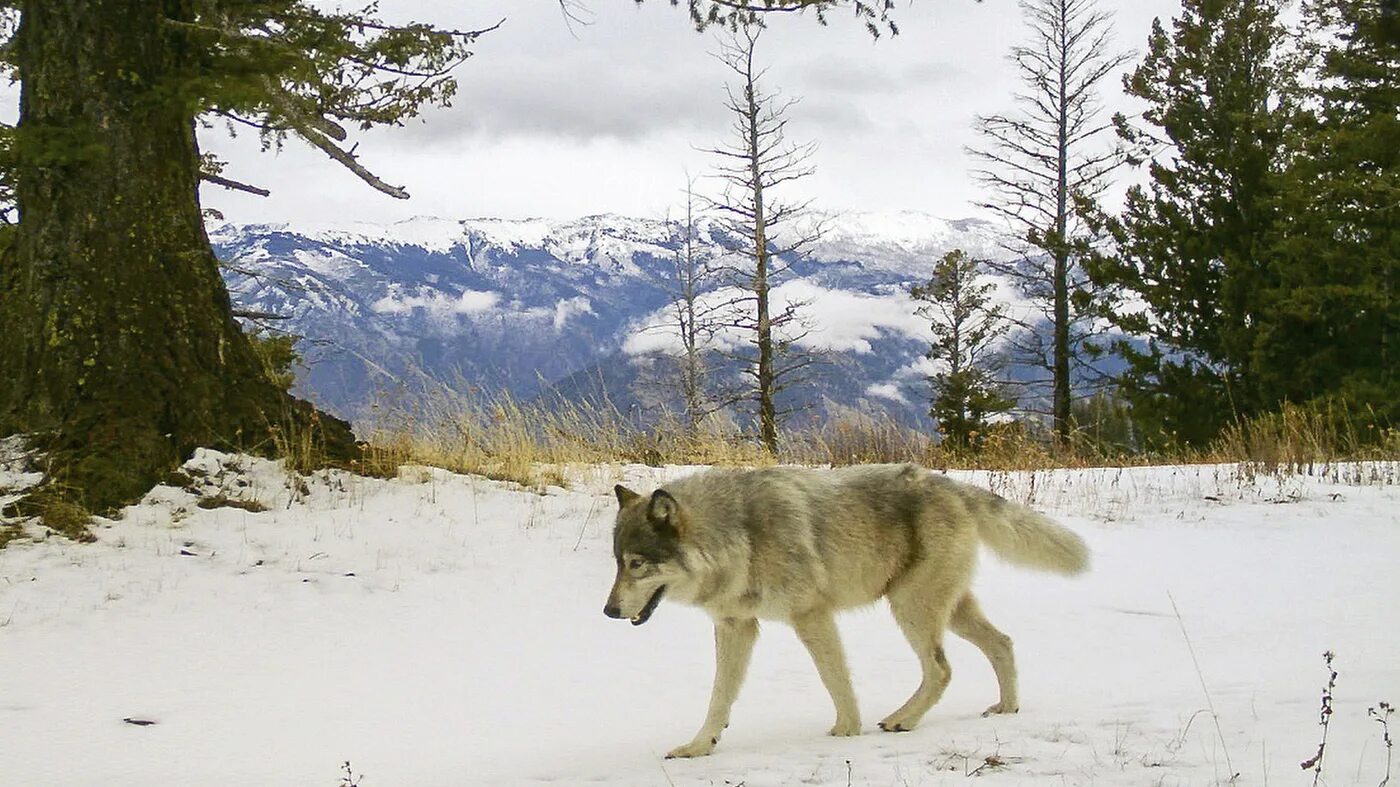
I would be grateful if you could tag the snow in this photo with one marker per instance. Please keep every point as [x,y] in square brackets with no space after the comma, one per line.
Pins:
[903,241]
[426,232]
[510,233]
[907,242]
[15,473]
[329,263]
[437,629]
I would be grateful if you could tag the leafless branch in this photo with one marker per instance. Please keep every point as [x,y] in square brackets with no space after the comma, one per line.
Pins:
[234,185]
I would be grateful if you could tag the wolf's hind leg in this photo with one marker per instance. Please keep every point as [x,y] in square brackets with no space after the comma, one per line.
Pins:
[734,638]
[817,630]
[969,623]
[922,606]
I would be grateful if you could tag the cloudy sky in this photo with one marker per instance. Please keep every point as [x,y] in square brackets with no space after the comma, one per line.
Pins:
[557,121]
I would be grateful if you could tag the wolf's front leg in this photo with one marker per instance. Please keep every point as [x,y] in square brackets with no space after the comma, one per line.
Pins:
[817,630]
[734,638]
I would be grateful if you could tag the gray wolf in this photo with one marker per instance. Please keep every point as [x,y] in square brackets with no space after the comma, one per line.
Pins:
[797,545]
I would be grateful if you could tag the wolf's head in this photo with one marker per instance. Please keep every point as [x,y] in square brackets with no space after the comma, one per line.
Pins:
[647,547]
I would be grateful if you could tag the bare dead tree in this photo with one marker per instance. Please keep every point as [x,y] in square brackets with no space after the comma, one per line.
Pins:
[757,160]
[1045,166]
[692,317]
[695,316]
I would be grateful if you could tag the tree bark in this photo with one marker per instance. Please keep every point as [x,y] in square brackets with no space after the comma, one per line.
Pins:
[121,354]
[767,377]
[1060,362]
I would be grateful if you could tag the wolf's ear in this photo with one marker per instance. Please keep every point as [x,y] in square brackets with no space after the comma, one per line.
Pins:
[625,496]
[664,510]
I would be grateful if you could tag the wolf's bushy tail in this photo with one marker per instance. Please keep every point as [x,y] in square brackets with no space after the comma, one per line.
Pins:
[1030,539]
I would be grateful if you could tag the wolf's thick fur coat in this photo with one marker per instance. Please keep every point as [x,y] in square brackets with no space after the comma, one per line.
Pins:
[798,545]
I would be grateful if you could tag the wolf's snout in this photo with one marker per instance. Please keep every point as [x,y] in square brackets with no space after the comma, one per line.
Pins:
[612,611]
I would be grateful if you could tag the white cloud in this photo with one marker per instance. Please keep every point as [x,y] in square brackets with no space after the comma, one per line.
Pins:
[836,320]
[605,117]
[658,333]
[887,391]
[477,301]
[470,302]
[844,321]
[570,307]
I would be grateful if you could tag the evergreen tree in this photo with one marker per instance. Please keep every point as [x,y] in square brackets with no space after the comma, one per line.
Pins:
[874,14]
[1103,425]
[121,352]
[1192,263]
[1332,318]
[966,328]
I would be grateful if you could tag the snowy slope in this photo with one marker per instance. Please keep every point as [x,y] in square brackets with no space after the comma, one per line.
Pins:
[445,630]
[533,305]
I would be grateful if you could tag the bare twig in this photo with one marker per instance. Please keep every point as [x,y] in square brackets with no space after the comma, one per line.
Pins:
[1204,689]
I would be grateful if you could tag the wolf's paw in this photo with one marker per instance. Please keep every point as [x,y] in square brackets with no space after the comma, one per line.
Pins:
[1000,707]
[895,725]
[699,747]
[846,728]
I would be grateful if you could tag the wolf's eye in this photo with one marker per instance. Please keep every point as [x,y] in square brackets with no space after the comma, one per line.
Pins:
[635,564]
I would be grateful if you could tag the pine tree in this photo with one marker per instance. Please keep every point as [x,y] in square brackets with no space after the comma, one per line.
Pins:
[121,352]
[966,330]
[874,14]
[1332,317]
[1193,245]
[1043,166]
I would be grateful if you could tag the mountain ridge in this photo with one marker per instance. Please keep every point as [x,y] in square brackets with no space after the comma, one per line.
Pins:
[523,305]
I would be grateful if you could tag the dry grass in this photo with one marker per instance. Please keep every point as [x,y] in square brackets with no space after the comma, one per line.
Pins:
[534,445]
[1301,436]
[10,533]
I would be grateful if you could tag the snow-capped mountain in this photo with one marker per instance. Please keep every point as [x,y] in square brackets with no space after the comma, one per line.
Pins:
[574,307]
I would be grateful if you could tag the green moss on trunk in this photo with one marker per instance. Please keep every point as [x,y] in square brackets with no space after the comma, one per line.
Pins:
[121,351]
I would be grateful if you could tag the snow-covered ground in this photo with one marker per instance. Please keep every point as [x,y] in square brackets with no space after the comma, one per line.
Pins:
[446,630]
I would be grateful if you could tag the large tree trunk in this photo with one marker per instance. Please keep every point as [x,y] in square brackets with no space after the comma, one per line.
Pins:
[121,354]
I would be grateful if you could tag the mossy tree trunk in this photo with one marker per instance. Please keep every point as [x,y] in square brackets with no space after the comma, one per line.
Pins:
[118,347]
